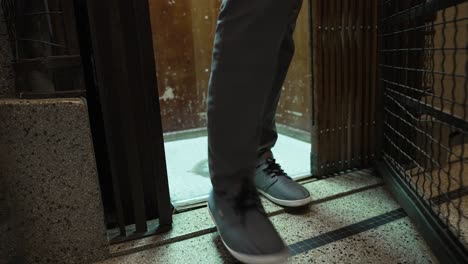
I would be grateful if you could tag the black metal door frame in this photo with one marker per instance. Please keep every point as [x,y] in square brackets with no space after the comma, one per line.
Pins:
[120,71]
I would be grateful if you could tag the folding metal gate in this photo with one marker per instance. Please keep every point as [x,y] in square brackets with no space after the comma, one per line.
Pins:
[344,48]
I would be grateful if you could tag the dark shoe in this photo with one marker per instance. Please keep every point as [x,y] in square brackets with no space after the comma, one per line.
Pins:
[244,227]
[273,183]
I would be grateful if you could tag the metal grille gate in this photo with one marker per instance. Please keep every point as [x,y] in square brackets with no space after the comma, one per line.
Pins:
[423,77]
[344,48]
[46,52]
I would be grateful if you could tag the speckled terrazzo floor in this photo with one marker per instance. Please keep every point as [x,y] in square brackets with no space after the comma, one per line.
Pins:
[339,202]
[187,166]
[435,184]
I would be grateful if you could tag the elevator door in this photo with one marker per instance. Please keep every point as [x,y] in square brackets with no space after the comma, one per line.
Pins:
[183,33]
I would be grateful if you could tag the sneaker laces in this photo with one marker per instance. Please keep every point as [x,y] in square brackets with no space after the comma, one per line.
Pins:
[273,169]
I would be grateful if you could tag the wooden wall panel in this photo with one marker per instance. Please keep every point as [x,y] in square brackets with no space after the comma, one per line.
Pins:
[204,17]
[175,61]
[295,107]
[183,33]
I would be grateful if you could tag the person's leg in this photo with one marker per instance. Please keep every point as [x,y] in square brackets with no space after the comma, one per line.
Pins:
[270,179]
[248,38]
[269,135]
[245,63]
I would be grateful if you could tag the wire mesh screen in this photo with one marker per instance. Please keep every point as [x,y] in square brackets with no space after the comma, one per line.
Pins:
[45,46]
[423,66]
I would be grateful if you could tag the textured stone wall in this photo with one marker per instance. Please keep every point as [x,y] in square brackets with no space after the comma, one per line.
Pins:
[47,157]
[7,82]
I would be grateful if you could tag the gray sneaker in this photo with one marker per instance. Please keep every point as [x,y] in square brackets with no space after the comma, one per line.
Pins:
[245,229]
[273,183]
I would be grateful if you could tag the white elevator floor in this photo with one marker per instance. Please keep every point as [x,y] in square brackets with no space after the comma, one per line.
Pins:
[187,166]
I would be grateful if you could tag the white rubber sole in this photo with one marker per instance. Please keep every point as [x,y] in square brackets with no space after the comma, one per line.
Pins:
[287,203]
[279,258]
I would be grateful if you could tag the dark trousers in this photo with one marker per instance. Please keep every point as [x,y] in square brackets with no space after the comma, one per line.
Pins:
[252,52]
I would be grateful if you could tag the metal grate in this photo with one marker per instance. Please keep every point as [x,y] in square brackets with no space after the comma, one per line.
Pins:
[344,48]
[423,66]
[45,48]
